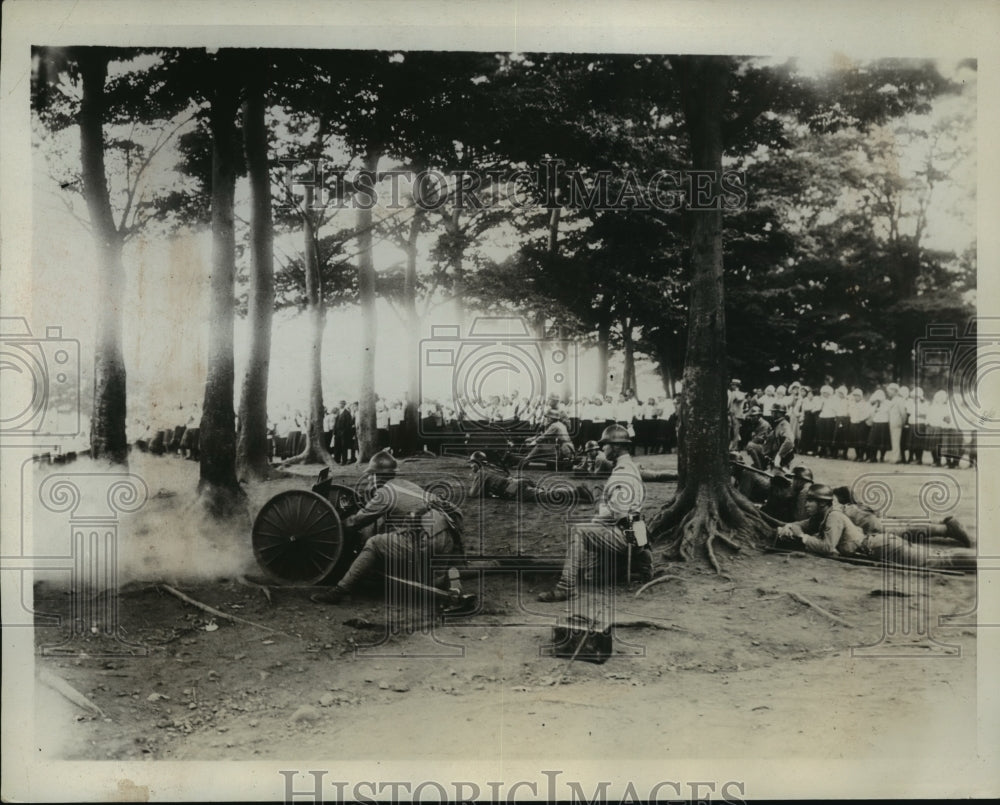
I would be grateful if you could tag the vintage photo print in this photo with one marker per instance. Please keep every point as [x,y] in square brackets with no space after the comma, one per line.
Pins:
[463,401]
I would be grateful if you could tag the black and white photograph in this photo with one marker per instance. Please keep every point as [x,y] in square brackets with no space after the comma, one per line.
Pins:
[461,401]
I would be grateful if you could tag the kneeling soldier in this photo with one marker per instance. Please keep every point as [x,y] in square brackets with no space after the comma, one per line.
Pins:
[619,511]
[415,527]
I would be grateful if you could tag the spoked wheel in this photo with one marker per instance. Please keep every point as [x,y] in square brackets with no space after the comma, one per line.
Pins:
[298,537]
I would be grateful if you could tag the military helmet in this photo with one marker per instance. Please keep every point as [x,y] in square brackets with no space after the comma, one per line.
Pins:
[382,463]
[778,409]
[591,445]
[479,457]
[820,492]
[615,434]
[803,472]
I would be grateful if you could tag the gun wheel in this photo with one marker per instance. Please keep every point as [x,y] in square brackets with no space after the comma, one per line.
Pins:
[297,536]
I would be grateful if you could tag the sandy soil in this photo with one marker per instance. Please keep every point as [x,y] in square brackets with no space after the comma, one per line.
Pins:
[728,665]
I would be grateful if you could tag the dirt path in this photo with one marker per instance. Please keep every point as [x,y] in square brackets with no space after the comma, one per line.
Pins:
[740,667]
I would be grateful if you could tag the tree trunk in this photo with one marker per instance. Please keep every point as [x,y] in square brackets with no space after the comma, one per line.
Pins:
[218,485]
[457,262]
[316,449]
[252,454]
[603,347]
[367,433]
[411,413]
[663,357]
[706,508]
[107,424]
[628,349]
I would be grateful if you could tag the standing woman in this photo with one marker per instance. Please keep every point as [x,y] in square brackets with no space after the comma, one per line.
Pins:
[826,422]
[810,412]
[879,440]
[918,427]
[858,412]
[950,441]
[842,423]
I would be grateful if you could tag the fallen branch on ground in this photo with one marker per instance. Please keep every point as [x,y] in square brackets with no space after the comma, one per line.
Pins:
[218,612]
[63,688]
[824,612]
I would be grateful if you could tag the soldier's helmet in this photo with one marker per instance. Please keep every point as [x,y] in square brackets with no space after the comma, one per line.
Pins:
[755,410]
[820,492]
[778,409]
[382,463]
[802,472]
[591,445]
[615,434]
[478,458]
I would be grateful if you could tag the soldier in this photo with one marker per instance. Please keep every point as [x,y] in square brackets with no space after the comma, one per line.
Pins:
[593,464]
[754,427]
[415,527]
[778,449]
[735,404]
[495,482]
[828,531]
[608,531]
[553,443]
[786,497]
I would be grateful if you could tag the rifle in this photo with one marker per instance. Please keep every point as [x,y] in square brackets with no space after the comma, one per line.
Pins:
[855,560]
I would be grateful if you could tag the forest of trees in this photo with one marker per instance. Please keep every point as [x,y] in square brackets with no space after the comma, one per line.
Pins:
[799,243]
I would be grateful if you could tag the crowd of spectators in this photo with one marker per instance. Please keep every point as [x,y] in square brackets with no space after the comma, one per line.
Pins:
[888,423]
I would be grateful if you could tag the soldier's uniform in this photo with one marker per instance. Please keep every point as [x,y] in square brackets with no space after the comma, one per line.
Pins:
[492,482]
[831,532]
[622,498]
[411,528]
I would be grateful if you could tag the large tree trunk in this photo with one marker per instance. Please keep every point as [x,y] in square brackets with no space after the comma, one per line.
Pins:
[366,424]
[663,356]
[457,262]
[252,454]
[411,413]
[316,449]
[628,350]
[603,346]
[218,485]
[107,425]
[706,508]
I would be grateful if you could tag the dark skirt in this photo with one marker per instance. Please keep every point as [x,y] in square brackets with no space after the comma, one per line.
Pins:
[879,437]
[826,427]
[859,436]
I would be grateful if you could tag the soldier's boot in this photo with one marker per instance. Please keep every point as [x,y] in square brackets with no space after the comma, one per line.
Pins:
[955,531]
[642,565]
[557,593]
[335,595]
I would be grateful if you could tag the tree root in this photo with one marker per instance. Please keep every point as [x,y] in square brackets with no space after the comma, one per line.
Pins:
[692,522]
[654,582]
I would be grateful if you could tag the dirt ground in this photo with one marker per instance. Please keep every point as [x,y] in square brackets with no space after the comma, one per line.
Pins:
[732,665]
